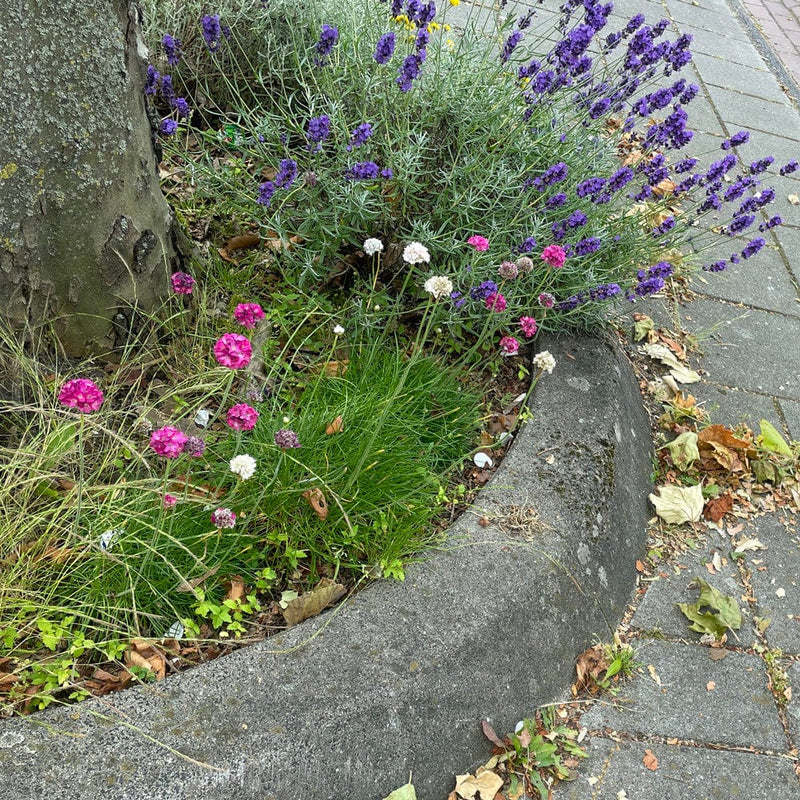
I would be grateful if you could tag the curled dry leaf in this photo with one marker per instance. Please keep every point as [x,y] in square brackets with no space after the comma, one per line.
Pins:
[471,787]
[649,760]
[312,603]
[242,242]
[316,499]
[236,591]
[589,666]
[337,426]
[142,654]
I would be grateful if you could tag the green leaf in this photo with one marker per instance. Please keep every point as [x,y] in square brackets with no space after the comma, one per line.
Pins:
[60,442]
[683,450]
[772,440]
[641,328]
[405,792]
[765,471]
[723,611]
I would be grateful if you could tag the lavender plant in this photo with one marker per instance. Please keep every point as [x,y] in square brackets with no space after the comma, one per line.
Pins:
[388,123]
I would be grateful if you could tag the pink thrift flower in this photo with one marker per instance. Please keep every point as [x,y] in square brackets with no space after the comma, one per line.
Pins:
[242,417]
[170,501]
[248,314]
[286,438]
[168,441]
[509,345]
[81,394]
[546,300]
[496,302]
[223,518]
[182,283]
[554,255]
[480,243]
[508,270]
[529,326]
[233,350]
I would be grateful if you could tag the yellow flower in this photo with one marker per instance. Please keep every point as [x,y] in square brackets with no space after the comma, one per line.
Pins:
[451,45]
[447,26]
[433,26]
[454,2]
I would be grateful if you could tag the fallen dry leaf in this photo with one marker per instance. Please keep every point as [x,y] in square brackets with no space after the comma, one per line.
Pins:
[337,426]
[793,199]
[242,242]
[679,504]
[316,499]
[589,666]
[717,507]
[653,674]
[236,592]
[190,586]
[650,761]
[489,733]
[486,785]
[142,654]
[312,603]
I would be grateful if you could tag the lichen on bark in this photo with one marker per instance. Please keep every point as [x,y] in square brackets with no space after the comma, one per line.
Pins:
[85,233]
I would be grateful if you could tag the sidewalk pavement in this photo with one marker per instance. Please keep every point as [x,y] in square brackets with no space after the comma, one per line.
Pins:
[711,723]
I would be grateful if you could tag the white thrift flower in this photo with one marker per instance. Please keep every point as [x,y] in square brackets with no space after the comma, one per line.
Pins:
[372,246]
[244,466]
[439,286]
[544,361]
[416,253]
[338,330]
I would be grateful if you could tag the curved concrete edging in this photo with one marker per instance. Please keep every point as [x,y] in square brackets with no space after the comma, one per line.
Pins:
[396,680]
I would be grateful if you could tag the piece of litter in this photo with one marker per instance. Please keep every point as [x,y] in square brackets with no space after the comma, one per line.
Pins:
[710,686]
[482,460]
[108,537]
[201,418]
[176,631]
[592,780]
[780,592]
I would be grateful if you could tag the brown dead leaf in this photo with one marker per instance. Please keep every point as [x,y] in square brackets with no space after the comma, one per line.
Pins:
[664,188]
[590,664]
[312,603]
[489,733]
[333,369]
[717,653]
[471,787]
[190,586]
[242,242]
[337,426]
[717,507]
[640,565]
[676,347]
[316,499]
[142,654]
[236,591]
[721,435]
[649,760]
[524,737]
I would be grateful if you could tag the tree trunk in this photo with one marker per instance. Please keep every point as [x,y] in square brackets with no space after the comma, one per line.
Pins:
[85,233]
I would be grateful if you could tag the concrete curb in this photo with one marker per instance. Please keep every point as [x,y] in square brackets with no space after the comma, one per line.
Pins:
[396,680]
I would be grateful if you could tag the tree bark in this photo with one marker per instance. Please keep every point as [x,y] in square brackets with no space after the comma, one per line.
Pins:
[85,232]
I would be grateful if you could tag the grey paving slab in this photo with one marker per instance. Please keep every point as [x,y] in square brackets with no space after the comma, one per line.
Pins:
[683,773]
[738,711]
[713,44]
[657,610]
[753,113]
[776,580]
[706,16]
[750,349]
[764,282]
[750,80]
[791,413]
[789,238]
[793,707]
[734,406]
